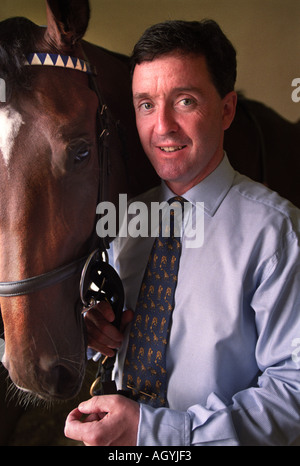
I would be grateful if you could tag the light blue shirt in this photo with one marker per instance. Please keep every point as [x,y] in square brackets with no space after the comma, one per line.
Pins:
[234,351]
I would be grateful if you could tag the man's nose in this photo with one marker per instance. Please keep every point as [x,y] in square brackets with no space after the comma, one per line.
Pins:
[166,121]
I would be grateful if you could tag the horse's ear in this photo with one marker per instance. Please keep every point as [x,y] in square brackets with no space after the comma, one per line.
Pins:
[67,21]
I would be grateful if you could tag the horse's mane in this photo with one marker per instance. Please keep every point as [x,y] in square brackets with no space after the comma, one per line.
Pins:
[18,37]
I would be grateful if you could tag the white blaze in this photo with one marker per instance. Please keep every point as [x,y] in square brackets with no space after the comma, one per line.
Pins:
[10,124]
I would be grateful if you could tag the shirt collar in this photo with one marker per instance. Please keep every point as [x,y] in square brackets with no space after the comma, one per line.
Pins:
[212,190]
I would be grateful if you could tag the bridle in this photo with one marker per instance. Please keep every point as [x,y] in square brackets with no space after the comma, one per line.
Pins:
[99,281]
[37,283]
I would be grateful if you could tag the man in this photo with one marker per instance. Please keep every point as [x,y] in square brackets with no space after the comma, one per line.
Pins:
[233,356]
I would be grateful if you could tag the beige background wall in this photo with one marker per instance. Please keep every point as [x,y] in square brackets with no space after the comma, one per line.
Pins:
[266,34]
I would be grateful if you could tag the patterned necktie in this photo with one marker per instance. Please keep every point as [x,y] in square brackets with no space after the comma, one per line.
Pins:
[145,364]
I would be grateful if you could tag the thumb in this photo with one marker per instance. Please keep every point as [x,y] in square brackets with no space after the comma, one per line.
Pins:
[127,317]
[93,405]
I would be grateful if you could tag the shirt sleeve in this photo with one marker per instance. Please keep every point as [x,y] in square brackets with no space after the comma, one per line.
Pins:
[268,412]
[199,426]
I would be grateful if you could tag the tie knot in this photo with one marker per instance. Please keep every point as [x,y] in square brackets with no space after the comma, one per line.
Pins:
[176,200]
[171,223]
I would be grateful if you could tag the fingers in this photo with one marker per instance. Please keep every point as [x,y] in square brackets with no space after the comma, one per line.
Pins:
[104,309]
[78,428]
[102,335]
[85,428]
[109,420]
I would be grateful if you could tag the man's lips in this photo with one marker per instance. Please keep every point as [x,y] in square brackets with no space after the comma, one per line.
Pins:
[170,149]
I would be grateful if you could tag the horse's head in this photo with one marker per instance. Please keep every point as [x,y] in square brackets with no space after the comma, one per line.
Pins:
[49,182]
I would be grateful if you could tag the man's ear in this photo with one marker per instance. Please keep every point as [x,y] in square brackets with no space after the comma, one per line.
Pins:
[229,107]
[67,22]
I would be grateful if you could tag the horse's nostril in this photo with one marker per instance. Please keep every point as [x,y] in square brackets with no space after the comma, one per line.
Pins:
[62,382]
[64,378]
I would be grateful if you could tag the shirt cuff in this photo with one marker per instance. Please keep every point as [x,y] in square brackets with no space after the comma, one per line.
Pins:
[163,426]
[203,426]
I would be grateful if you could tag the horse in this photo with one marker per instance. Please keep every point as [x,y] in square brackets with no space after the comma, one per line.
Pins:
[68,104]
[52,178]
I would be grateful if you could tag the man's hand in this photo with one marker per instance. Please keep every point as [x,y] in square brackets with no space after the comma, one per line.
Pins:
[111,420]
[102,335]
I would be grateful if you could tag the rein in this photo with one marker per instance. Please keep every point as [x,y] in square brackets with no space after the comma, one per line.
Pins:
[33,284]
[99,281]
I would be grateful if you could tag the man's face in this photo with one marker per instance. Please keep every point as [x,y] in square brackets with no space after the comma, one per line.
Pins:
[181,118]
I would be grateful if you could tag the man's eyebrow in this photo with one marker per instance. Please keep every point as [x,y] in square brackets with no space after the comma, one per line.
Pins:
[140,95]
[187,89]
[176,90]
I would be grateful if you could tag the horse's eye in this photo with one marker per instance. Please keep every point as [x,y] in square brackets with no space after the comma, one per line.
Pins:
[81,155]
[79,151]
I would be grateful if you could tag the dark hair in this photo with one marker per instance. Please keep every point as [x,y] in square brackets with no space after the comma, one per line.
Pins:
[192,37]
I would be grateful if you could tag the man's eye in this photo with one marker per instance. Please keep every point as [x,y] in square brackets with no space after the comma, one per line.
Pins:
[146,106]
[186,102]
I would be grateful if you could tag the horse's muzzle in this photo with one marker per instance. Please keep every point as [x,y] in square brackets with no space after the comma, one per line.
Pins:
[54,381]
[60,382]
